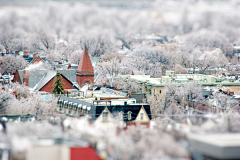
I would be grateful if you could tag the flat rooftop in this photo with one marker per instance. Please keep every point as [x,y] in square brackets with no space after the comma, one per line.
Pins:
[219,146]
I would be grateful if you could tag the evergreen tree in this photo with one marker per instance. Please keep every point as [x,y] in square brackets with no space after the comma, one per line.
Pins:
[57,86]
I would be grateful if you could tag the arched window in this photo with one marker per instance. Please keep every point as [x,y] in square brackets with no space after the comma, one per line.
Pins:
[129,115]
[87,82]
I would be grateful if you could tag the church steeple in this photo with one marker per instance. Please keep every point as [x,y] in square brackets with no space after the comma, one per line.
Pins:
[85,65]
[85,72]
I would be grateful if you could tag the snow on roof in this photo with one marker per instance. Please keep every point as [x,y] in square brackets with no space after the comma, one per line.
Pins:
[236,95]
[236,47]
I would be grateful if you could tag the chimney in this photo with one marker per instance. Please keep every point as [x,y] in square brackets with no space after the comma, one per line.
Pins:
[26,77]
[105,85]
[69,66]
[130,93]
[116,88]
[25,53]
[7,51]
[17,52]
[34,55]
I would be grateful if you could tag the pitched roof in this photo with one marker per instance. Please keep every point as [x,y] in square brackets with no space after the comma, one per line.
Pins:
[35,76]
[134,108]
[96,111]
[44,79]
[85,65]
[43,58]
[39,78]
[70,74]
[93,107]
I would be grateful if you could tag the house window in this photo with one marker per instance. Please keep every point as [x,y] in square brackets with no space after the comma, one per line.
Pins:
[129,115]
[105,116]
[65,103]
[141,114]
[60,102]
[75,105]
[70,104]
[87,82]
[160,91]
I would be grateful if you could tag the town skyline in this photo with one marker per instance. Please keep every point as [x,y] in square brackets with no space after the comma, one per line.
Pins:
[122,80]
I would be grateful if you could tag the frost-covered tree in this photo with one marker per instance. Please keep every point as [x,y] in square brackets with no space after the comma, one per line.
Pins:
[5,97]
[16,99]
[11,63]
[225,103]
[182,95]
[160,145]
[19,90]
[211,59]
[157,104]
[126,84]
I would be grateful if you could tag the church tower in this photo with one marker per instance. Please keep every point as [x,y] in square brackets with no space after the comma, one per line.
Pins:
[85,73]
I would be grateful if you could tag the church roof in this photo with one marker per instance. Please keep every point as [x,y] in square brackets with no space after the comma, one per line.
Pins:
[85,65]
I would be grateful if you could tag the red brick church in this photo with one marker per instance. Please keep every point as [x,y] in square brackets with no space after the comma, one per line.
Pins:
[42,79]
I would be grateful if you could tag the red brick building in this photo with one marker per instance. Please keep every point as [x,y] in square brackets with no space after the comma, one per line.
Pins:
[85,72]
[42,80]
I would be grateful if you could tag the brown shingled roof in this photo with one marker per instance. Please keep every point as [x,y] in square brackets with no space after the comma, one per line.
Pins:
[85,65]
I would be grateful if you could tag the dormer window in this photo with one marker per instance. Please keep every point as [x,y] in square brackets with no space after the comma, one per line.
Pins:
[129,115]
[70,104]
[80,107]
[65,103]
[60,102]
[75,105]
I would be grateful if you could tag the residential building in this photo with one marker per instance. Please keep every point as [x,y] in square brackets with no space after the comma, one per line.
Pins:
[106,105]
[43,79]
[157,85]
[31,58]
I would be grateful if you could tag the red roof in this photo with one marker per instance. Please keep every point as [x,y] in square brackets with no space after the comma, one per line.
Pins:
[85,65]
[88,153]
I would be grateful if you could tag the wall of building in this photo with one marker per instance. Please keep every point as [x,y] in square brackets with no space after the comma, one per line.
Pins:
[37,60]
[110,117]
[49,86]
[82,79]
[145,116]
[54,152]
